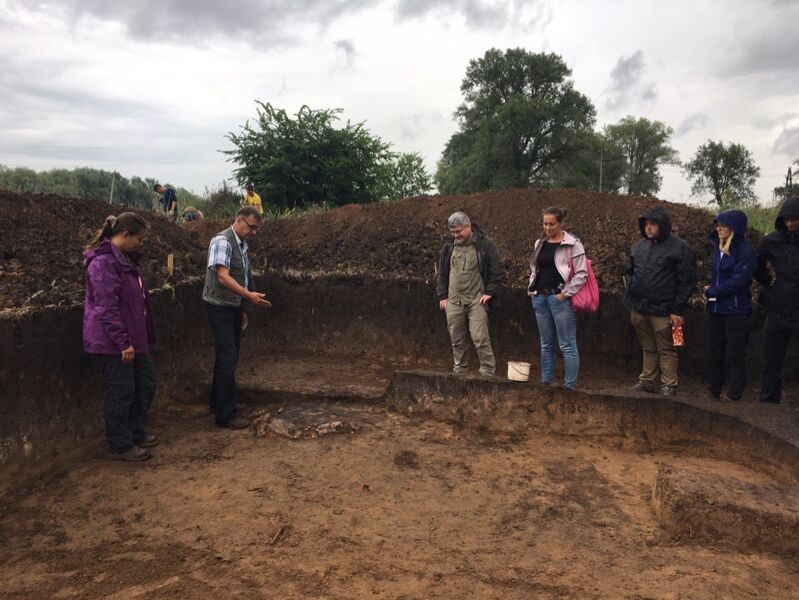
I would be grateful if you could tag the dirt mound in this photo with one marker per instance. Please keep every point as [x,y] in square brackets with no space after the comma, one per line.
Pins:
[41,248]
[404,238]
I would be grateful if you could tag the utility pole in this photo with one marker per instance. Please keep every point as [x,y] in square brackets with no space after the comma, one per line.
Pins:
[111,196]
[601,165]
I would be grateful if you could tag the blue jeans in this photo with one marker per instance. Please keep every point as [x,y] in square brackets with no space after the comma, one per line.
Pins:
[557,326]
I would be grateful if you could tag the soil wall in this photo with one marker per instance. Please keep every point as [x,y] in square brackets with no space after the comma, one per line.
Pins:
[51,394]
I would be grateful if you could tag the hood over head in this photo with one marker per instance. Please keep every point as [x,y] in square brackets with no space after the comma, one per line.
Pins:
[789,208]
[733,218]
[661,217]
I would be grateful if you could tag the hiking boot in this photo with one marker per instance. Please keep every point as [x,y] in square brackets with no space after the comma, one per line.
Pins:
[668,390]
[643,387]
[148,441]
[236,423]
[135,454]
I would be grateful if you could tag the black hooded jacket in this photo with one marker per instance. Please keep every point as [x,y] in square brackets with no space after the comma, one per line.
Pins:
[662,272]
[780,249]
[489,262]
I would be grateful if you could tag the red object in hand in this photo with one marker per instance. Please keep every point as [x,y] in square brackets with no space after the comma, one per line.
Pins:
[677,336]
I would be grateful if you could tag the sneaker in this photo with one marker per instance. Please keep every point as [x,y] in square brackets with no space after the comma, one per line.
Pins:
[148,441]
[728,398]
[668,390]
[236,423]
[135,454]
[643,387]
[711,396]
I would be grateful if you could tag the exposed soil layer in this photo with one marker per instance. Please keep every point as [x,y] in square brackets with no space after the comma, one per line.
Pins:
[41,248]
[402,509]
[404,238]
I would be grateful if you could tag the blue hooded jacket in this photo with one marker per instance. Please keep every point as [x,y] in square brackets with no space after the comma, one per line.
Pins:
[729,292]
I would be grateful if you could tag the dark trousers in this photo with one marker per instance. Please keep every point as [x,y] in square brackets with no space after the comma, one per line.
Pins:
[776,335]
[727,337]
[226,326]
[130,389]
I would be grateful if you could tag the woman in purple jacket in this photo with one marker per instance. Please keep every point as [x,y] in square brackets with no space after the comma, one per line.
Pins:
[118,331]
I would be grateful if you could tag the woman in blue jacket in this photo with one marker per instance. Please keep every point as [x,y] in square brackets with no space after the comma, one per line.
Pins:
[729,305]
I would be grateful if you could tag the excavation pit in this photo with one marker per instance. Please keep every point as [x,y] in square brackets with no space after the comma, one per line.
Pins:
[384,476]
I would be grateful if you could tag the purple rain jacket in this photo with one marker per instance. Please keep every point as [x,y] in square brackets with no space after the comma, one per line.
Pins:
[116,312]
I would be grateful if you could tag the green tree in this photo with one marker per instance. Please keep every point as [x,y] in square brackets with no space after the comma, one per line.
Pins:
[407,177]
[308,160]
[519,117]
[644,145]
[593,160]
[723,171]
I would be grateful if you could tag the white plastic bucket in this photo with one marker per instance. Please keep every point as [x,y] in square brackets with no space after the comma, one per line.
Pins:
[518,371]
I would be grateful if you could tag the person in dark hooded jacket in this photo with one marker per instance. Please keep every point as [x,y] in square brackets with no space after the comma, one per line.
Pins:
[779,252]
[729,305]
[661,277]
[118,331]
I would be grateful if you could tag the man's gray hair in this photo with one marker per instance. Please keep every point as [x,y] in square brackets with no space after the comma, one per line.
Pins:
[458,219]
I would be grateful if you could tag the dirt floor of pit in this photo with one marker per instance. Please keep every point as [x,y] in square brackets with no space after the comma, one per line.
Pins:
[402,509]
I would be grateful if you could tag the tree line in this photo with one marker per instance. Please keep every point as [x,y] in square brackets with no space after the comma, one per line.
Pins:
[521,124]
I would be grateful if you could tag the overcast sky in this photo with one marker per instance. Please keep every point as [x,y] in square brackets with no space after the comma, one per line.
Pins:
[150,87]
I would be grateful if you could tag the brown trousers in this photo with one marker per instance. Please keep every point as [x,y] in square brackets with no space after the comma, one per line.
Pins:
[660,355]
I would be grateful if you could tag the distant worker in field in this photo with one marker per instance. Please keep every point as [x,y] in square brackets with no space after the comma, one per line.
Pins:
[229,297]
[661,278]
[779,252]
[470,276]
[169,201]
[191,214]
[118,332]
[252,199]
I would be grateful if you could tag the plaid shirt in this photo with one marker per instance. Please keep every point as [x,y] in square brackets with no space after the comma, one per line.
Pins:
[220,251]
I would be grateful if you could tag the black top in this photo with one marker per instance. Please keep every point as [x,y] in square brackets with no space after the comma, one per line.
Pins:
[548,278]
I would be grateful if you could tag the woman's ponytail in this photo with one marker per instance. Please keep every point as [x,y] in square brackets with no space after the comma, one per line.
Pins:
[125,222]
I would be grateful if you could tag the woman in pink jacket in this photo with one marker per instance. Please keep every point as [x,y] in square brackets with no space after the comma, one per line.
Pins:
[558,271]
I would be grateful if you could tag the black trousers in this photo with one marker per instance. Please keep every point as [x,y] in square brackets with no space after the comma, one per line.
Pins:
[226,325]
[777,333]
[130,389]
[727,337]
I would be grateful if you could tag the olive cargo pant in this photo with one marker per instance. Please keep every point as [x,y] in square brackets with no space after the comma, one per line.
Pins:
[660,355]
[470,319]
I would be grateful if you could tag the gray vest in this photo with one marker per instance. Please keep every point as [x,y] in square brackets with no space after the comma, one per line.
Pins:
[216,293]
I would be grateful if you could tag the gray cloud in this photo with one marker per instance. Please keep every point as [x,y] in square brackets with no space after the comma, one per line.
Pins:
[481,13]
[768,49]
[263,22]
[695,121]
[770,122]
[347,50]
[45,116]
[626,82]
[413,125]
[787,144]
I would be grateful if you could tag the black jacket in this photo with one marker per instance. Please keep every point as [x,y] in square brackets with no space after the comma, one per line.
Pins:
[489,262]
[780,250]
[662,272]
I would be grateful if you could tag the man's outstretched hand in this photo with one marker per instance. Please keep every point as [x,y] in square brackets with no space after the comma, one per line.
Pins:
[259,299]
